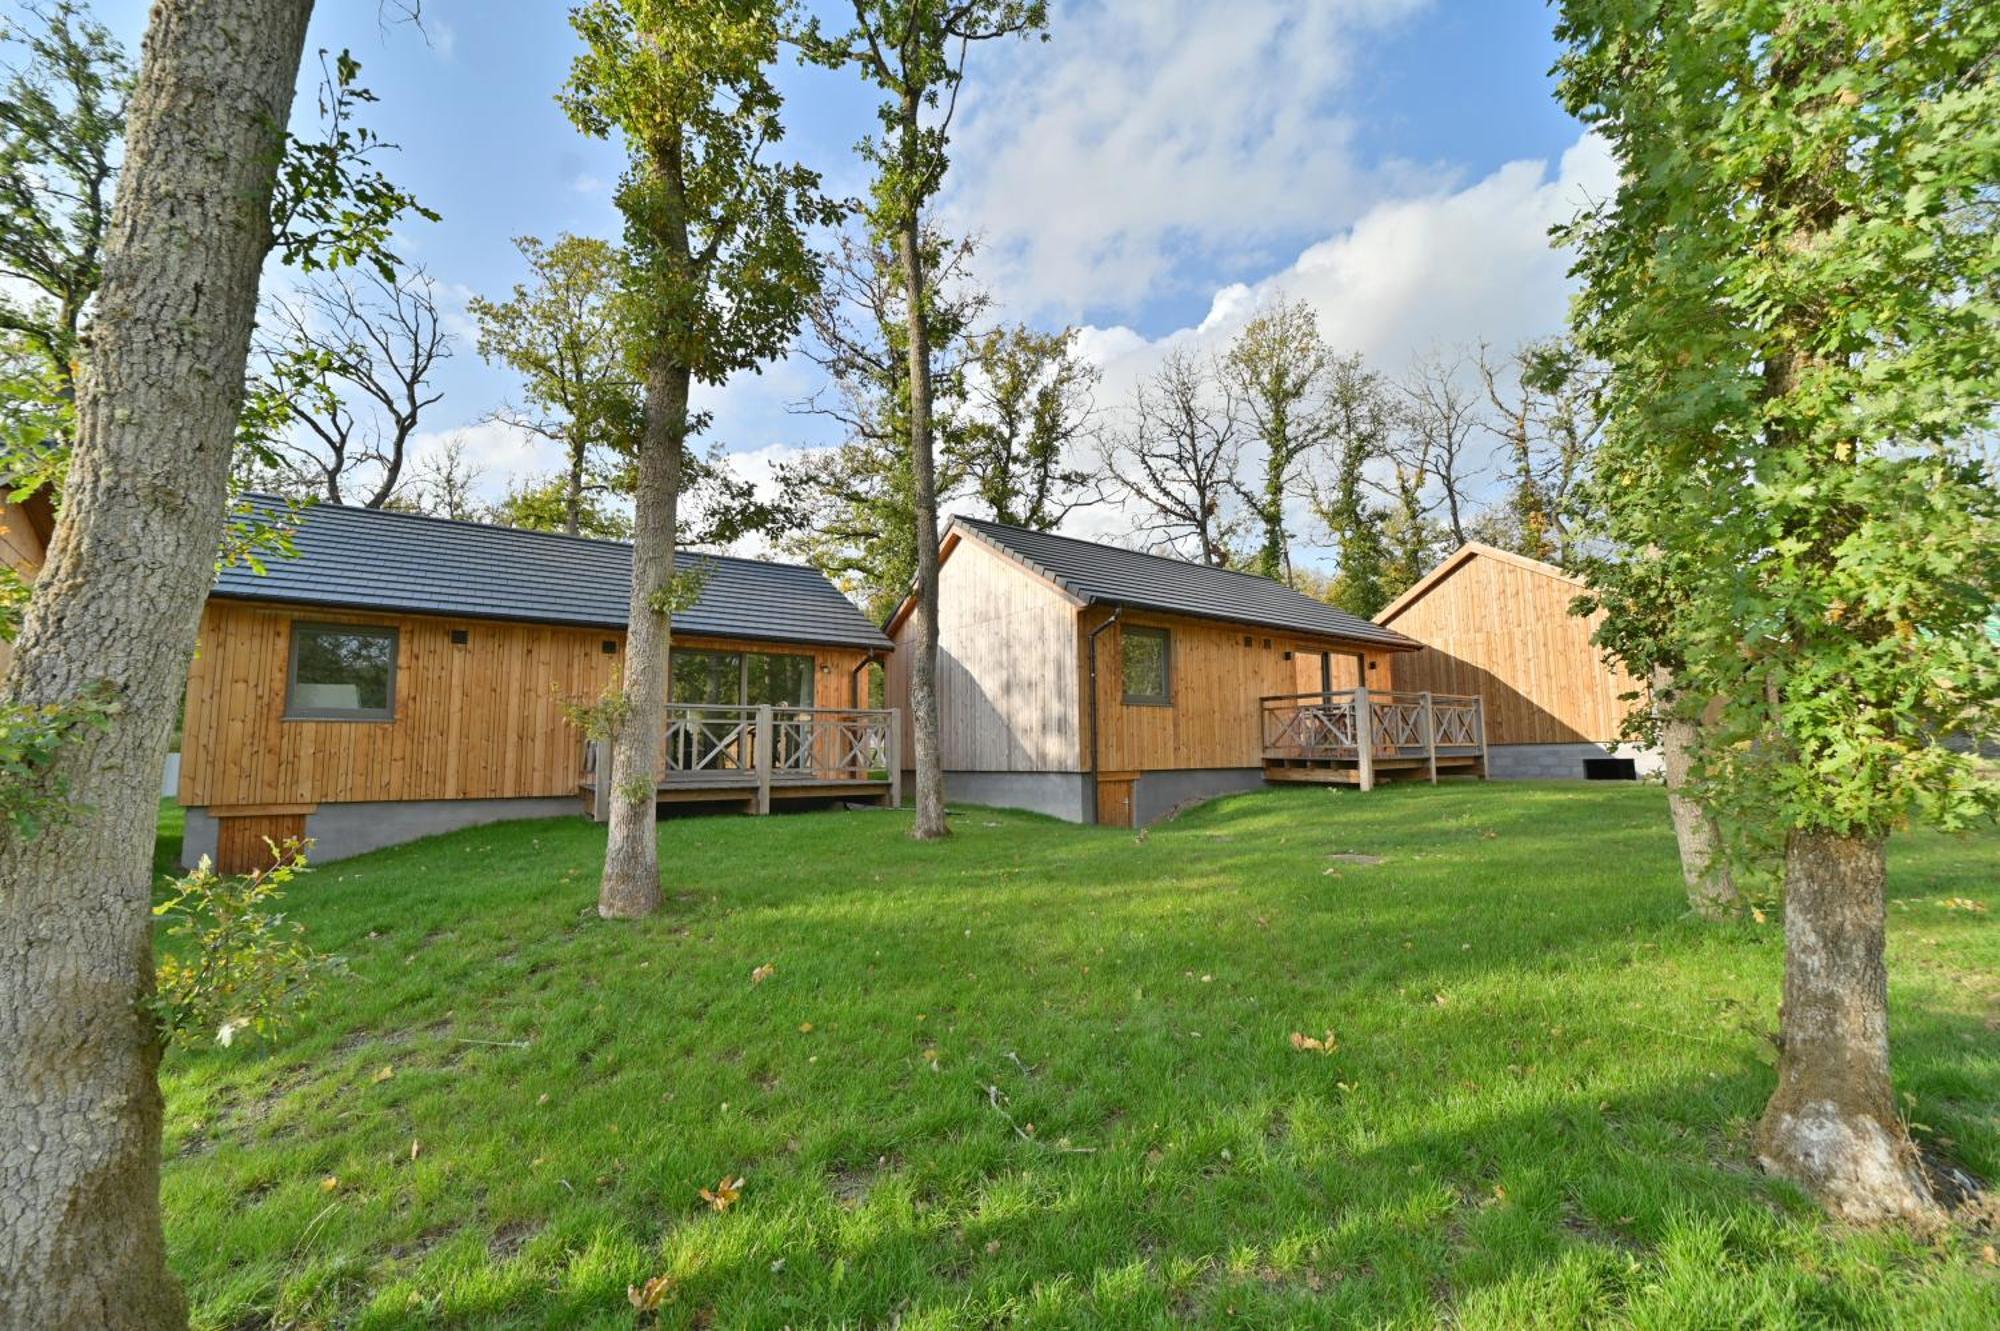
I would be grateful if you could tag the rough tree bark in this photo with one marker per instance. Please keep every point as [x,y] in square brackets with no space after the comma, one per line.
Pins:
[115,611]
[1711,888]
[930,820]
[631,884]
[630,887]
[1832,1125]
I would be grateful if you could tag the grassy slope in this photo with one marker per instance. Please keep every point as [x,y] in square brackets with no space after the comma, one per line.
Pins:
[1538,1113]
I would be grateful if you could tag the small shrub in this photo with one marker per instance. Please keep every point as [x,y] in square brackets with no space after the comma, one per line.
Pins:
[236,964]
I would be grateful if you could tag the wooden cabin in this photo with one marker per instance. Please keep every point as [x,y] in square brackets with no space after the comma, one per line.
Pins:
[400,676]
[25,529]
[1499,624]
[1100,684]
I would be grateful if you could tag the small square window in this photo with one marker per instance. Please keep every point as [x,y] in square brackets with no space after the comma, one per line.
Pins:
[342,672]
[1147,667]
[610,647]
[460,637]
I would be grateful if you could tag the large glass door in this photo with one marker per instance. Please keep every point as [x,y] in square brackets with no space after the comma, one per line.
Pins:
[733,680]
[782,680]
[710,678]
[742,679]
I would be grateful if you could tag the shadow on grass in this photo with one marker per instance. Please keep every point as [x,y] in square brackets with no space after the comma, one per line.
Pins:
[1537,1111]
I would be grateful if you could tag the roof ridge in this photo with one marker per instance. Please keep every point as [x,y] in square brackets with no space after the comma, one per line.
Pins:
[1143,554]
[528,533]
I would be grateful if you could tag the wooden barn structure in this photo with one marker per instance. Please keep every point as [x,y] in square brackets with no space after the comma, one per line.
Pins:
[400,676]
[1096,683]
[25,529]
[1499,624]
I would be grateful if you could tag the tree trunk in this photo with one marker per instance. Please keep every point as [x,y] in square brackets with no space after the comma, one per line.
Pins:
[1711,888]
[1831,1127]
[114,612]
[573,490]
[930,821]
[631,884]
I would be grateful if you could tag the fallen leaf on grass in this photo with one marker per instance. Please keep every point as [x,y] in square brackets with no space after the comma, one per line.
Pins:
[805,1028]
[329,1183]
[647,1298]
[725,1194]
[1303,1042]
[763,973]
[416,1148]
[1964,903]
[1989,1256]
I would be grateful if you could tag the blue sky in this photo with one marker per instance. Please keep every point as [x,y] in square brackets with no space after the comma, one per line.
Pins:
[1151,172]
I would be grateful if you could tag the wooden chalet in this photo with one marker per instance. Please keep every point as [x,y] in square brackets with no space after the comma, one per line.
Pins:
[25,529]
[1499,625]
[1100,684]
[400,676]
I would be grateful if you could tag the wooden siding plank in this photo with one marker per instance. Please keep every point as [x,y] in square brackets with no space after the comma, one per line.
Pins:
[481,720]
[1502,629]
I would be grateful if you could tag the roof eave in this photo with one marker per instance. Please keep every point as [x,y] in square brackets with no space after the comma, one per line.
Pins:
[1395,642]
[880,643]
[1456,560]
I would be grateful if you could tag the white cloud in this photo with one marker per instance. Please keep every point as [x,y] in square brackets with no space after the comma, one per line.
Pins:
[496,451]
[1153,132]
[1444,269]
[1441,268]
[1438,269]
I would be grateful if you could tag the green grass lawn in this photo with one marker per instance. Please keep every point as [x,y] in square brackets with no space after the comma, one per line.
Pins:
[1042,1076]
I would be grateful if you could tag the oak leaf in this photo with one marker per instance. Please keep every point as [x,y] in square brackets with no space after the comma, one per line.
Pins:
[647,1298]
[724,1194]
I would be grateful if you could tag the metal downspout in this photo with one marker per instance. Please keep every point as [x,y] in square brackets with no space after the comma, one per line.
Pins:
[1094,741]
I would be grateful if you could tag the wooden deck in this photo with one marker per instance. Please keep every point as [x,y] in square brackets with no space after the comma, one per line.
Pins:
[761,757]
[1356,737]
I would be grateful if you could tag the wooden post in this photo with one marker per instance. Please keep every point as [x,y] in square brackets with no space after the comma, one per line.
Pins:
[1431,736]
[1364,737]
[764,755]
[600,781]
[1479,710]
[895,758]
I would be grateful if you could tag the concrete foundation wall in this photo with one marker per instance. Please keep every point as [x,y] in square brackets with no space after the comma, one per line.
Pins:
[1527,762]
[1067,795]
[198,839]
[341,830]
[1064,795]
[1156,795]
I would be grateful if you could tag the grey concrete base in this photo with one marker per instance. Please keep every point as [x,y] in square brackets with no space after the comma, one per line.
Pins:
[1067,795]
[341,830]
[1527,762]
[1156,795]
[1064,795]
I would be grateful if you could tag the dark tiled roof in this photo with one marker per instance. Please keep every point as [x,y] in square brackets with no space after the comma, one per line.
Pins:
[364,558]
[1116,576]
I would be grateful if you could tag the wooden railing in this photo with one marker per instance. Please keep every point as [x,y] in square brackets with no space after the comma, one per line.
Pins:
[754,748]
[1367,726]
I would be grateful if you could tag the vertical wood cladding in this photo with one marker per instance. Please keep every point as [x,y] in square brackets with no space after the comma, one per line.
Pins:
[482,719]
[1499,626]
